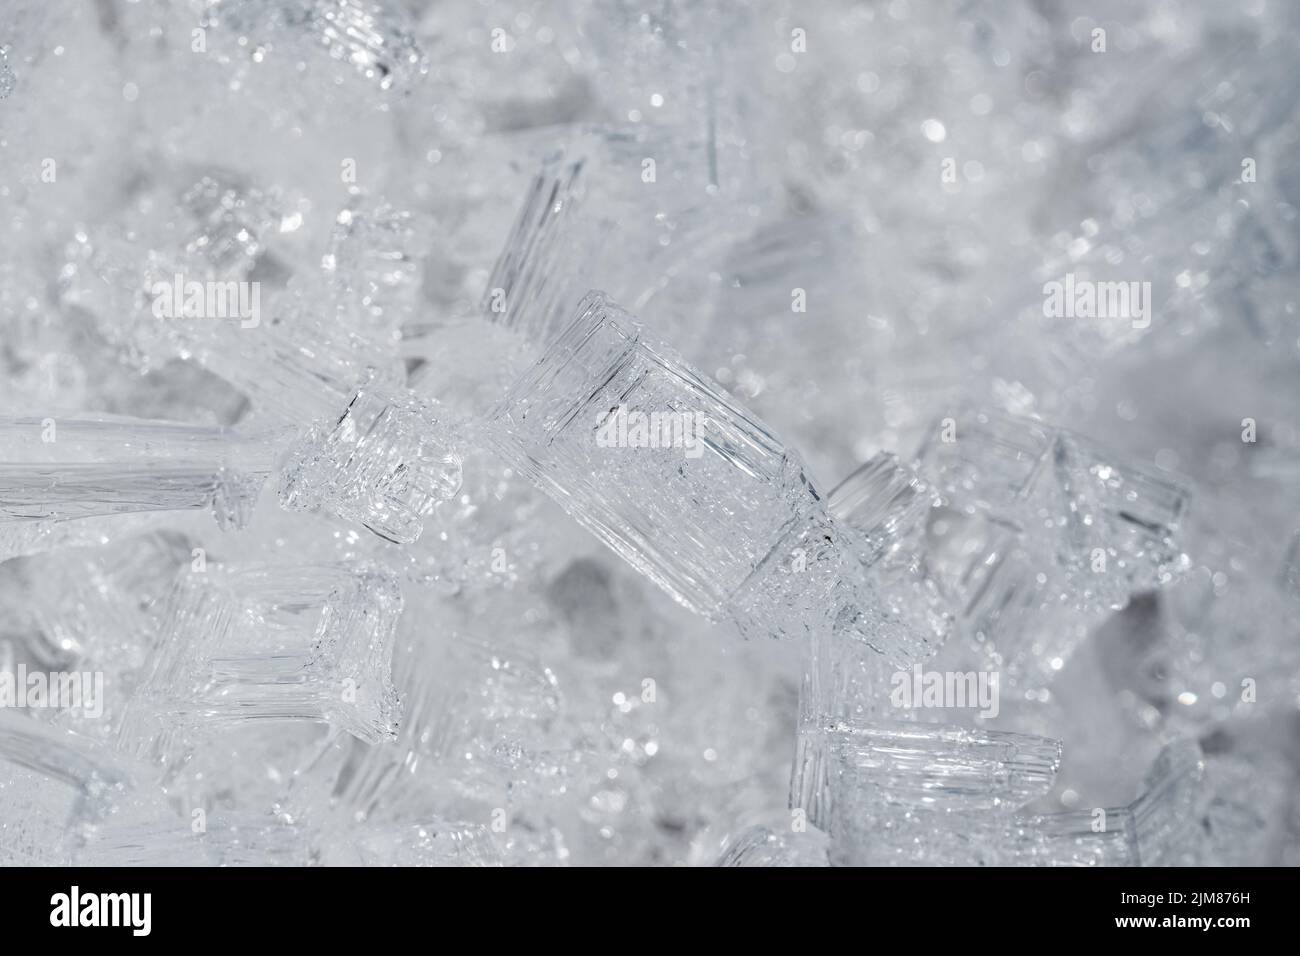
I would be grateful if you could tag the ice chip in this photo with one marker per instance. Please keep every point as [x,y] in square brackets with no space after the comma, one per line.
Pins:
[256,643]
[686,485]
[384,464]
[57,470]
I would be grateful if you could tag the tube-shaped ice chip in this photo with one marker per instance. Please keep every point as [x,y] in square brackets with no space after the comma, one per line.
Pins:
[373,39]
[371,451]
[686,485]
[1167,813]
[470,714]
[57,469]
[884,500]
[1123,519]
[935,766]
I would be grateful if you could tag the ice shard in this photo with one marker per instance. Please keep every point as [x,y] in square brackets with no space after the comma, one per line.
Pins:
[89,617]
[369,38]
[62,470]
[1159,828]
[576,231]
[372,268]
[924,766]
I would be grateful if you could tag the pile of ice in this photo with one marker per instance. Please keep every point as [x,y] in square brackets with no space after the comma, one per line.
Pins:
[390,471]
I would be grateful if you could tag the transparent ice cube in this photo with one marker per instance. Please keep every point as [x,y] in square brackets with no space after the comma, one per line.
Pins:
[931,766]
